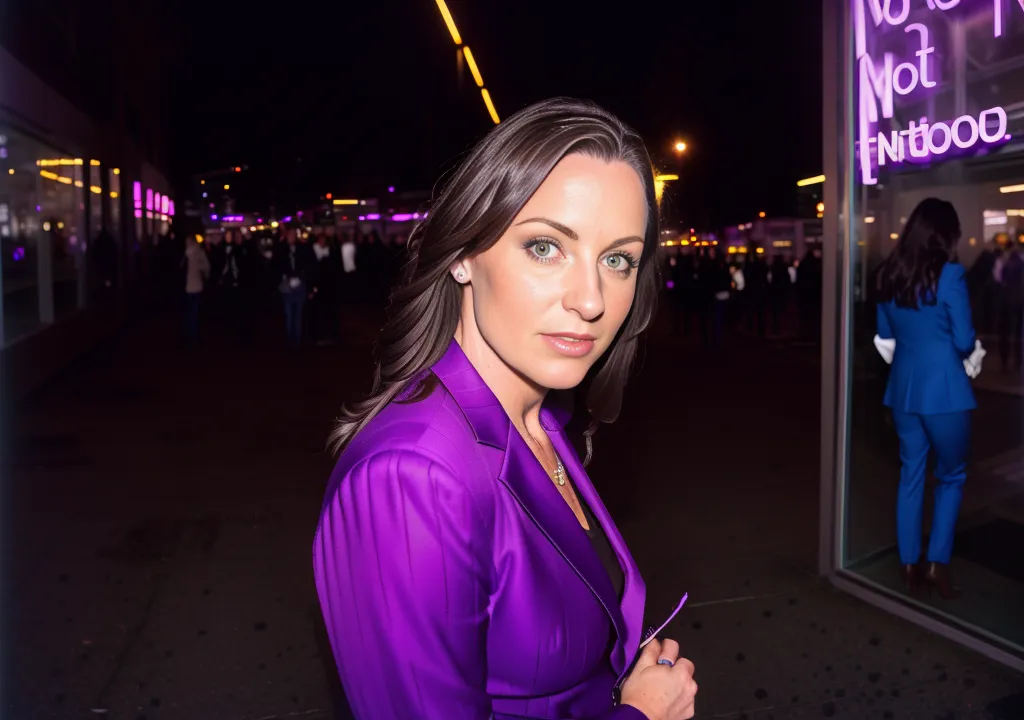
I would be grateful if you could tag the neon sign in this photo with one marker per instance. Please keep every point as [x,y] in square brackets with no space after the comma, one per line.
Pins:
[882,82]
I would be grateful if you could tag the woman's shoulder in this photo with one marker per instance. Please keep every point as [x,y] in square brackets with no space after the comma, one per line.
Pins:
[952,271]
[423,426]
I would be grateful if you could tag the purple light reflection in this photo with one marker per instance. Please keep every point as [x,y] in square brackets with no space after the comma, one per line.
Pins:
[213,217]
[391,188]
[401,217]
[372,216]
[19,254]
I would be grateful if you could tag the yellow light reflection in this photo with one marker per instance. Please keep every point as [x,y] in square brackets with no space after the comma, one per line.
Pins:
[449,21]
[761,214]
[96,189]
[659,189]
[666,178]
[10,171]
[113,195]
[117,171]
[816,180]
[94,163]
[473,69]
[490,106]
[345,201]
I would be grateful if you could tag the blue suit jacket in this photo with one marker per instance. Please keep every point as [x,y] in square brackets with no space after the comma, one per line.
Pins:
[927,376]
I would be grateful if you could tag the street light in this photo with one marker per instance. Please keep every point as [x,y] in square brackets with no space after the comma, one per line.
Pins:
[680,147]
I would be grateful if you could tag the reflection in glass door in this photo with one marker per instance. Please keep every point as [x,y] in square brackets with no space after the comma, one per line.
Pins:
[939,112]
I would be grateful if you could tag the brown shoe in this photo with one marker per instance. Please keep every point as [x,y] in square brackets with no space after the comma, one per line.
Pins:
[937,576]
[912,578]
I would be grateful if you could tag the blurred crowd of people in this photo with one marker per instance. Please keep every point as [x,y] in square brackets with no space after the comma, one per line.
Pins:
[996,285]
[309,274]
[715,292]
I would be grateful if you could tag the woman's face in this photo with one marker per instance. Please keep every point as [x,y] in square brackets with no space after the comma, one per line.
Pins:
[549,297]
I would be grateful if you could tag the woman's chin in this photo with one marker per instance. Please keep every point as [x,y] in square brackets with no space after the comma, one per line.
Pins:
[562,378]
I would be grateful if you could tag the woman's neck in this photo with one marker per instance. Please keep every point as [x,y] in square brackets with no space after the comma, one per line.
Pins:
[520,398]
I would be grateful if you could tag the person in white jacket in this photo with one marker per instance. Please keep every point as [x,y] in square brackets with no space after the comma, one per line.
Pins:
[197,272]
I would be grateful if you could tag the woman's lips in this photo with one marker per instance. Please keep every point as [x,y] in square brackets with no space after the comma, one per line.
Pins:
[571,345]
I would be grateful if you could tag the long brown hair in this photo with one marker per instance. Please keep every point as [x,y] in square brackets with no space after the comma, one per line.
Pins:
[910,275]
[474,210]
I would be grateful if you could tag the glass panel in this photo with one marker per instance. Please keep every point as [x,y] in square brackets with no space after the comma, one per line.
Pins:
[114,188]
[95,200]
[939,112]
[63,209]
[24,180]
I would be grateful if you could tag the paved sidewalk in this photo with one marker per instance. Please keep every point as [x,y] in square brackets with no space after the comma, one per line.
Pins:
[163,507]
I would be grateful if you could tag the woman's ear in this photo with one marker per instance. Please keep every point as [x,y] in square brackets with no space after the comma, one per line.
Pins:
[460,271]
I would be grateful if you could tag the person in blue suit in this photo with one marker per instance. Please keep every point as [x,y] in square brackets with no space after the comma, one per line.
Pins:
[924,308]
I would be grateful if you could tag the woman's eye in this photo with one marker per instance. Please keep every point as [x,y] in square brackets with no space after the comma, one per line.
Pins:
[616,262]
[543,250]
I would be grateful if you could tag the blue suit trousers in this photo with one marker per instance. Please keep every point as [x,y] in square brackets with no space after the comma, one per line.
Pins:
[949,435]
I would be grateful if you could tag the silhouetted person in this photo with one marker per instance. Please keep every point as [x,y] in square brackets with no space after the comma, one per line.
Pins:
[104,256]
[293,268]
[1009,274]
[236,277]
[779,291]
[808,295]
[756,294]
[326,276]
[197,271]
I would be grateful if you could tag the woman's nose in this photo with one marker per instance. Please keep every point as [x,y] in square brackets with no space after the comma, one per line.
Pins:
[584,294]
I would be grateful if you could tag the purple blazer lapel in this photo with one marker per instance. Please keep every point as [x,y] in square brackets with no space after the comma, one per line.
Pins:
[526,479]
[634,593]
[536,492]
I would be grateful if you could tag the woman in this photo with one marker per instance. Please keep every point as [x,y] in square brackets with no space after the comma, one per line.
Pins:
[923,305]
[465,565]
[197,272]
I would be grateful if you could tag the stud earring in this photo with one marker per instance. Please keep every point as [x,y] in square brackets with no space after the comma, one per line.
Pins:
[460,275]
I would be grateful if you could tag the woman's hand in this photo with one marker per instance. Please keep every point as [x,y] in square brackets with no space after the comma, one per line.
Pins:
[661,692]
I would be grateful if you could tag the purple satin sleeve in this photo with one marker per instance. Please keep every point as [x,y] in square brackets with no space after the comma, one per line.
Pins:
[402,560]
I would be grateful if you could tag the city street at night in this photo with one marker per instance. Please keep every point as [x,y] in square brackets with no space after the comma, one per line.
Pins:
[454,360]
[168,502]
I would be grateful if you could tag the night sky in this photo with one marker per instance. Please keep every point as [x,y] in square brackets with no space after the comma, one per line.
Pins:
[345,97]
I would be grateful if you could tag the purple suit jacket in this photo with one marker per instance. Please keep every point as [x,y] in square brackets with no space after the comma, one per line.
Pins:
[455,581]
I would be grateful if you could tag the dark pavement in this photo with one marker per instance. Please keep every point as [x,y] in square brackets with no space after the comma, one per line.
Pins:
[165,503]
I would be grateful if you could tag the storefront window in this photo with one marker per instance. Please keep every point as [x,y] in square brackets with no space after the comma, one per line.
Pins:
[114,188]
[63,215]
[938,92]
[95,199]
[36,207]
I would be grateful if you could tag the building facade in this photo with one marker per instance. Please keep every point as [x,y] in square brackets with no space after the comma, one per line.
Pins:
[924,99]
[83,192]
